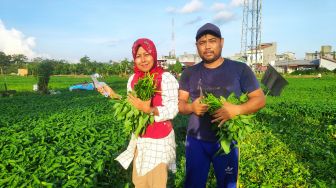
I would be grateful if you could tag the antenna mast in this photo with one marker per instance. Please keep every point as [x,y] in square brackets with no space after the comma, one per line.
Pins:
[251,28]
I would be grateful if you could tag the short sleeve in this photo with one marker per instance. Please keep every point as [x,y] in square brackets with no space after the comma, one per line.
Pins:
[248,81]
[184,80]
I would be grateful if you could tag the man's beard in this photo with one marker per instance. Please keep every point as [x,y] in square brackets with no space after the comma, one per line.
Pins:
[209,61]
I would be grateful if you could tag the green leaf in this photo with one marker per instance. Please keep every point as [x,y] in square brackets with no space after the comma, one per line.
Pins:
[225,145]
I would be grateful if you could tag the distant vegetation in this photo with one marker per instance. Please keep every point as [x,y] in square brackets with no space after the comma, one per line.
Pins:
[9,64]
[313,71]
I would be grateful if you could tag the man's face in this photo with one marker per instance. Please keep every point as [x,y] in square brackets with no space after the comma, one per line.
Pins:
[209,47]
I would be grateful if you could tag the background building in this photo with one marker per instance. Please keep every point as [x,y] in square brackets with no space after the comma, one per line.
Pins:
[22,72]
[165,61]
[289,66]
[285,56]
[329,64]
[189,59]
[325,52]
[263,56]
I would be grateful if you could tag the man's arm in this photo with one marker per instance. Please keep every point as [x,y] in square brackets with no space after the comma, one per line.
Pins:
[255,102]
[187,108]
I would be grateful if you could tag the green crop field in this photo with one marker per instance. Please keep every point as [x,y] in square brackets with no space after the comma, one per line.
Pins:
[71,139]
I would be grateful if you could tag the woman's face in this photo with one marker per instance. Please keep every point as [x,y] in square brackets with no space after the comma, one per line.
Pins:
[143,60]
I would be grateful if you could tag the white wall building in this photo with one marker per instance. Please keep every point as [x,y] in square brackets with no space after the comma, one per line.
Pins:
[165,61]
[264,55]
[189,59]
[329,64]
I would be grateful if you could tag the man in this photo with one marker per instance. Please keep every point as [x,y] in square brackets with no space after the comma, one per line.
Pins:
[218,76]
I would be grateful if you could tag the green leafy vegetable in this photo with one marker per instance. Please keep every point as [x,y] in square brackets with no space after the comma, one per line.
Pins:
[134,120]
[234,129]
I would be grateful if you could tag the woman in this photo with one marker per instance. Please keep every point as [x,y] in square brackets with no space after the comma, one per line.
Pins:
[154,152]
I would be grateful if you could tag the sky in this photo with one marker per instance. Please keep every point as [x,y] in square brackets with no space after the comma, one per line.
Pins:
[105,30]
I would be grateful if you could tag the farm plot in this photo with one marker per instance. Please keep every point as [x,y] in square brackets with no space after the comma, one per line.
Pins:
[71,139]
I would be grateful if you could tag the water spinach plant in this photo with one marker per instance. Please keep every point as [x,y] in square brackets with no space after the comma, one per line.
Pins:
[234,129]
[134,120]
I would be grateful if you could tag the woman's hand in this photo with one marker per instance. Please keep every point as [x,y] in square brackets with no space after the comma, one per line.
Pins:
[139,104]
[101,90]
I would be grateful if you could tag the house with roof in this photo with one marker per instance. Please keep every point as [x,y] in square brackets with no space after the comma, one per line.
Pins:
[285,56]
[263,55]
[165,61]
[188,60]
[326,58]
[328,63]
[289,66]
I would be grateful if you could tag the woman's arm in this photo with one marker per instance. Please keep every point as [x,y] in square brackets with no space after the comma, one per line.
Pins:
[169,108]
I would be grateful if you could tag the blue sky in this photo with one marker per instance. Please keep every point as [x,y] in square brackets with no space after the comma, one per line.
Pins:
[105,30]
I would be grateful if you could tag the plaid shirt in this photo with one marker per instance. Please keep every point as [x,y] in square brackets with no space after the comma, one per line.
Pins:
[169,87]
[152,152]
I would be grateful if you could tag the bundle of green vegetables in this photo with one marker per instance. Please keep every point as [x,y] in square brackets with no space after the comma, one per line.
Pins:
[234,129]
[134,120]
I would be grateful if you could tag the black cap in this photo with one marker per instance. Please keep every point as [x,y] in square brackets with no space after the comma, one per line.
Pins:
[208,28]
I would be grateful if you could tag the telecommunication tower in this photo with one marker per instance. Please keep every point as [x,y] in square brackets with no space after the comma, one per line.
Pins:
[251,29]
[172,54]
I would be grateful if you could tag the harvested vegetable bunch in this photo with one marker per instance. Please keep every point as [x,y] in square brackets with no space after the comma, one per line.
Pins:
[234,129]
[133,119]
[145,87]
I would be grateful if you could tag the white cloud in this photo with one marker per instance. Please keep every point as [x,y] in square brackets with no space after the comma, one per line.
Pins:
[194,21]
[223,17]
[236,3]
[15,42]
[231,5]
[190,7]
[193,6]
[171,9]
[223,12]
[219,6]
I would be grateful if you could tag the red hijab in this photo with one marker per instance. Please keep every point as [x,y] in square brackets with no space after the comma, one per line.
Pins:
[149,47]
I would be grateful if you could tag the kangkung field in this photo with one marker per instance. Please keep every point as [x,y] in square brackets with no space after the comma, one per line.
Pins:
[70,139]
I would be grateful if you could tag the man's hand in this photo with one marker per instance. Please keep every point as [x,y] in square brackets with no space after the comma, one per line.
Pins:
[198,108]
[139,104]
[226,112]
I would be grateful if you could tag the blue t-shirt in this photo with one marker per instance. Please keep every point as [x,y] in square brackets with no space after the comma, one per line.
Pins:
[230,76]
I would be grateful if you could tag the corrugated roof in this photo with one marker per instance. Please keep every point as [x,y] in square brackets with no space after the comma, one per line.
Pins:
[297,62]
[332,60]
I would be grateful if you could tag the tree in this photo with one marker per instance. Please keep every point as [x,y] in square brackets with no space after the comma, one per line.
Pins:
[176,68]
[125,67]
[85,60]
[44,71]
[19,59]
[4,62]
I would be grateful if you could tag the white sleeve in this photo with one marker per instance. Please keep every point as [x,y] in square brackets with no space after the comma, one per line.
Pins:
[129,88]
[102,83]
[169,108]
